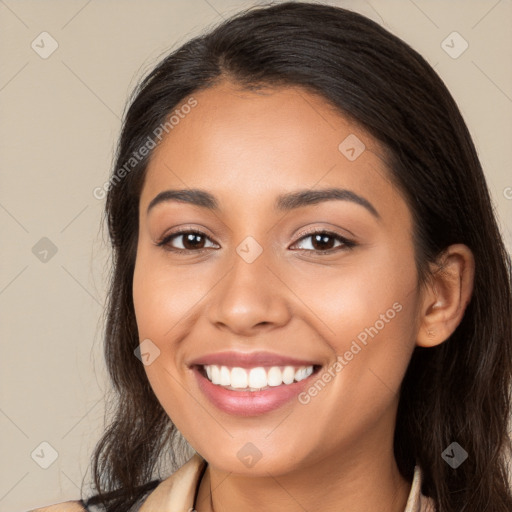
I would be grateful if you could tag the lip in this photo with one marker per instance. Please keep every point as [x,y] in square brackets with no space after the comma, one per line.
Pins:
[250,403]
[250,360]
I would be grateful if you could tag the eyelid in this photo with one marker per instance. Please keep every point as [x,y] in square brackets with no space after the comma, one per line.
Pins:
[182,229]
[312,231]
[322,229]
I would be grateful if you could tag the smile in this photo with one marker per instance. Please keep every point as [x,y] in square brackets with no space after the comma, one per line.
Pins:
[254,383]
[255,379]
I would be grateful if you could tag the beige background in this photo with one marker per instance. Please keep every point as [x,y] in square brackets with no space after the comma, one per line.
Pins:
[59,119]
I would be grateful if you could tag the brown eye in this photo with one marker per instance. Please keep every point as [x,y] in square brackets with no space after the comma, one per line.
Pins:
[324,241]
[193,241]
[186,241]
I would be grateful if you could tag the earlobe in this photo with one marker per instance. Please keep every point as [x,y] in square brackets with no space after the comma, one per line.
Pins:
[446,295]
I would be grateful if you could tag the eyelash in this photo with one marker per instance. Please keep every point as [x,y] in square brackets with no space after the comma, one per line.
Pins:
[346,244]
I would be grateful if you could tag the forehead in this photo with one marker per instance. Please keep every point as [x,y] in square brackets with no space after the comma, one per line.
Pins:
[251,144]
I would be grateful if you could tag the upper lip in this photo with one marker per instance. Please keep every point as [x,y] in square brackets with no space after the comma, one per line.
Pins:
[249,360]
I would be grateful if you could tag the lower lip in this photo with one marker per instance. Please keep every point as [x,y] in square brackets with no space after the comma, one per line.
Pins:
[249,403]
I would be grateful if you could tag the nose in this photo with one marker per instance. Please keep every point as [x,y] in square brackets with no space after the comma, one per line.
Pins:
[250,298]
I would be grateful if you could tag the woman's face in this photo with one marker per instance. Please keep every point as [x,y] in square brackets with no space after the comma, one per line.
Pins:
[257,290]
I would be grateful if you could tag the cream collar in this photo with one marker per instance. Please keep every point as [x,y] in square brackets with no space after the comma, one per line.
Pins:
[177,492]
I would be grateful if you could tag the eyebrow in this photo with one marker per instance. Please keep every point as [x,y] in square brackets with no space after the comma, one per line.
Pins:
[284,202]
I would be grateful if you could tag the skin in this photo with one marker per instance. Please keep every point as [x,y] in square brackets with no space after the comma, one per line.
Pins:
[334,453]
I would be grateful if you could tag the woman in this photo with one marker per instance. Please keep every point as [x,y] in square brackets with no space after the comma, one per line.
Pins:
[307,264]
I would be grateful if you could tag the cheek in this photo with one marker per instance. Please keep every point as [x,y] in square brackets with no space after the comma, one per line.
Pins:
[160,302]
[167,301]
[164,295]
[367,314]
[361,295]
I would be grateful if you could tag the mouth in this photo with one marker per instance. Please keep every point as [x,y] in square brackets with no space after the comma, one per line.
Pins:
[252,384]
[255,379]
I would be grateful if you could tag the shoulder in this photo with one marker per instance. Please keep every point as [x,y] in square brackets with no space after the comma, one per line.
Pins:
[66,506]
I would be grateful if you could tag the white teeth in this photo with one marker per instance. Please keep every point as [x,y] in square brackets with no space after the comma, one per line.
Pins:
[288,374]
[274,376]
[257,378]
[254,379]
[225,376]
[303,373]
[215,374]
[239,378]
[300,373]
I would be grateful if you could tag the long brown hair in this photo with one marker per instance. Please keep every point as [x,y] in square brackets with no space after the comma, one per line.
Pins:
[458,391]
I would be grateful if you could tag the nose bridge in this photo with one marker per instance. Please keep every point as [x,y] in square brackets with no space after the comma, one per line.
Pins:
[249,294]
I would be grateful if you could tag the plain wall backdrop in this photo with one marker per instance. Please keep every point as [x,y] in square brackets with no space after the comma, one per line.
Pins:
[67,68]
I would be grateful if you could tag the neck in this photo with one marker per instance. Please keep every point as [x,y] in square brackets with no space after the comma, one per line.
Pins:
[365,479]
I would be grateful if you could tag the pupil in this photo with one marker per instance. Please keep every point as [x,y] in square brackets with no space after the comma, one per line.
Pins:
[189,239]
[323,240]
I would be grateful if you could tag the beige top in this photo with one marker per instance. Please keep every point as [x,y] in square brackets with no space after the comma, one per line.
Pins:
[176,493]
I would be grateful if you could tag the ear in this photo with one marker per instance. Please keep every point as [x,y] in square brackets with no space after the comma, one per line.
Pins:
[446,295]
